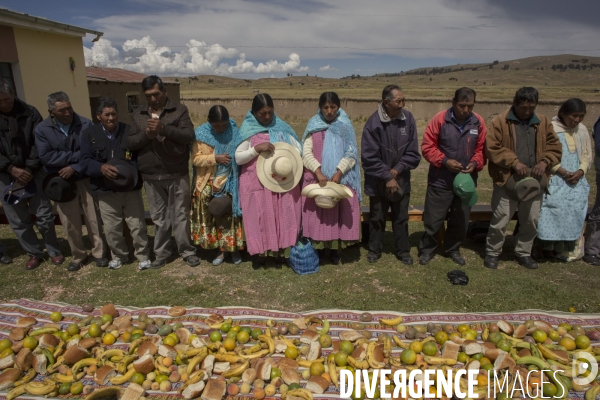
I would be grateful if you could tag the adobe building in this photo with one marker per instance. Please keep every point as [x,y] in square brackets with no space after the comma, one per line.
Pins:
[40,56]
[125,87]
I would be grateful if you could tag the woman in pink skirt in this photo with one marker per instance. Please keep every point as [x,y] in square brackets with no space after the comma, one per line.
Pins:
[330,153]
[271,220]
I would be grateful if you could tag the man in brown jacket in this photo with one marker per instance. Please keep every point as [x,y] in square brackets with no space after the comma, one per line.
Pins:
[161,133]
[518,142]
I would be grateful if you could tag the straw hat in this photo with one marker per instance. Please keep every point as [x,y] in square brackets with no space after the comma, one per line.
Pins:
[281,170]
[328,195]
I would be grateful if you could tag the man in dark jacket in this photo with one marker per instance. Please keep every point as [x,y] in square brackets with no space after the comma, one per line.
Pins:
[453,144]
[389,150]
[57,140]
[20,163]
[118,190]
[592,228]
[161,133]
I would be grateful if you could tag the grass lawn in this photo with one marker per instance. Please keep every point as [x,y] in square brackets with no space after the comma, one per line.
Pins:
[386,285]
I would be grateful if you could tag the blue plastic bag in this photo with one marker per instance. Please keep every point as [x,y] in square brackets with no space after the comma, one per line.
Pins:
[303,258]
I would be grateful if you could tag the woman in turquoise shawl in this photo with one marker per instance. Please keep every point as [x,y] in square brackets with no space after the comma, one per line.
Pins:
[330,153]
[271,220]
[217,225]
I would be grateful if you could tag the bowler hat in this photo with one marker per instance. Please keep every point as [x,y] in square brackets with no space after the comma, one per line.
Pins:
[15,192]
[127,176]
[59,189]
[464,187]
[526,188]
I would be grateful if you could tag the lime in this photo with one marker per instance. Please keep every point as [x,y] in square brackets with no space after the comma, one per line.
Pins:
[554,336]
[346,346]
[495,337]
[169,341]
[291,352]
[225,327]
[161,378]
[275,373]
[539,336]
[232,334]
[72,329]
[504,345]
[462,357]
[133,336]
[582,342]
[341,359]
[76,388]
[94,330]
[215,336]
[293,386]
[429,348]
[137,378]
[549,389]
[235,328]
[408,357]
[477,356]
[5,344]
[325,340]
[243,337]
[247,329]
[30,342]
[441,337]
[255,332]
[64,388]
[317,369]
[106,318]
[56,316]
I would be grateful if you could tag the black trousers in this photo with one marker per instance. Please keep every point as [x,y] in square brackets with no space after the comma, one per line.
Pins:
[592,227]
[439,205]
[378,208]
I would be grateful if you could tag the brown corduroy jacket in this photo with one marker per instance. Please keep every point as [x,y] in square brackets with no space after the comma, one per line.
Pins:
[500,146]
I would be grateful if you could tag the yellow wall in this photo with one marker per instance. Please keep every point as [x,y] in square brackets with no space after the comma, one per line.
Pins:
[44,69]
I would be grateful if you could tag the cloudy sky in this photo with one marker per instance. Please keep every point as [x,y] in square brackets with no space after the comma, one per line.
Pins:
[330,38]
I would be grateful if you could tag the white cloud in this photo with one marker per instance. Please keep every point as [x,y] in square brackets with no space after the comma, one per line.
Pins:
[198,57]
[328,68]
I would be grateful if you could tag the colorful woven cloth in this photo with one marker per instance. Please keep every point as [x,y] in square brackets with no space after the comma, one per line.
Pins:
[339,321]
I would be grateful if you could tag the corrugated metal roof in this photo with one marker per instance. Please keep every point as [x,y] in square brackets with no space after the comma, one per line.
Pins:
[118,75]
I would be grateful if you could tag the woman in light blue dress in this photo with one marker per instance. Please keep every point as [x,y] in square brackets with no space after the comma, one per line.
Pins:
[565,205]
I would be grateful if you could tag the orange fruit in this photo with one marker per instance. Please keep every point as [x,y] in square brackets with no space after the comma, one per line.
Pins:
[106,318]
[462,328]
[582,342]
[482,380]
[30,342]
[429,348]
[169,341]
[484,360]
[215,336]
[539,336]
[243,337]
[6,352]
[72,329]
[549,389]
[56,316]
[76,388]
[408,357]
[108,339]
[94,330]
[126,337]
[291,352]
[441,337]
[341,359]
[567,343]
[5,344]
[317,369]
[416,346]
[137,378]
[229,344]
[346,346]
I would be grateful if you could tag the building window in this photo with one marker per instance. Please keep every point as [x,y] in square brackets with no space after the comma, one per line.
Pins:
[6,73]
[132,103]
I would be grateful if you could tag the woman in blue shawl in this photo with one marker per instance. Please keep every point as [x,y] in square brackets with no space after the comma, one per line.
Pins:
[330,153]
[216,213]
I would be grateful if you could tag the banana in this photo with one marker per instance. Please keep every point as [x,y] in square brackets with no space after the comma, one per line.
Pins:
[43,331]
[116,358]
[269,341]
[236,371]
[16,392]
[106,392]
[387,346]
[400,343]
[196,377]
[563,390]
[536,352]
[196,352]
[360,342]
[556,347]
[122,366]
[60,348]
[513,354]
[373,363]
[325,328]
[217,325]
[391,321]
[538,362]
[333,371]
[41,388]
[28,377]
[158,364]
[121,379]
[67,378]
[313,320]
[137,342]
[485,334]
[354,363]
[54,367]
[287,341]
[394,361]
[214,347]
[512,340]
[590,394]
[229,358]
[439,360]
[256,347]
[306,363]
[86,362]
[550,355]
[194,362]
[112,353]
[302,393]
[258,354]
[523,345]
[49,358]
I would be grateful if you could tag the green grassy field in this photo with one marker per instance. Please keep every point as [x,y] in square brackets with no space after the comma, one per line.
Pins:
[356,284]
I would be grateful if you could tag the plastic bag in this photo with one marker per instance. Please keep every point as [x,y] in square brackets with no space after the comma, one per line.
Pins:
[303,258]
[458,277]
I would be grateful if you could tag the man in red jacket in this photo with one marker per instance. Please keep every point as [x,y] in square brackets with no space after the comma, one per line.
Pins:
[453,143]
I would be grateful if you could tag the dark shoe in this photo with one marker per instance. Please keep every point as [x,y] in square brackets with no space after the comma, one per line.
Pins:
[425,258]
[156,264]
[74,266]
[405,258]
[33,263]
[101,262]
[259,262]
[526,262]
[457,258]
[335,257]
[236,258]
[588,258]
[192,261]
[57,260]
[490,262]
[372,257]
[5,258]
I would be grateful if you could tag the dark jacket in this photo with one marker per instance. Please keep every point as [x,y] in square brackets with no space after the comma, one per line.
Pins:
[177,127]
[381,144]
[17,141]
[500,146]
[444,140]
[58,150]
[596,136]
[97,149]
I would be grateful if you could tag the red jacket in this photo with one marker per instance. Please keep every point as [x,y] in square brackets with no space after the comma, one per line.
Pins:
[444,140]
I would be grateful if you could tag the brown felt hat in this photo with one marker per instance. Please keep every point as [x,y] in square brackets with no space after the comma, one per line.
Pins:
[525,189]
